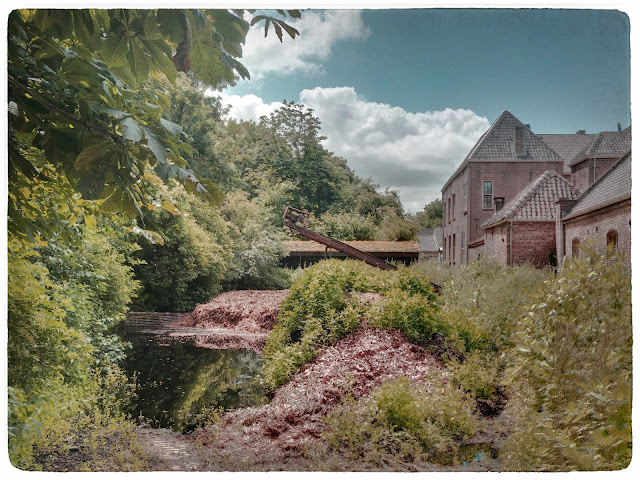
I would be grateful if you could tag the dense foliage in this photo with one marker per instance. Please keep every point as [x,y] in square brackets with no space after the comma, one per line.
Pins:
[572,366]
[323,306]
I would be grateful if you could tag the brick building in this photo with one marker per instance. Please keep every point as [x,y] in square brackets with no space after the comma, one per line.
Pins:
[524,230]
[602,213]
[501,168]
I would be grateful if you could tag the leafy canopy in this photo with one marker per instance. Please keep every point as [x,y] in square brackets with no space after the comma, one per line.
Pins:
[79,102]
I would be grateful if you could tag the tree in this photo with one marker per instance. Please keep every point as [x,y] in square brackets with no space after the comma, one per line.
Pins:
[79,102]
[431,215]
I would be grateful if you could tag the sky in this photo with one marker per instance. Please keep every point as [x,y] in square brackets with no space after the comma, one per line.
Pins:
[403,95]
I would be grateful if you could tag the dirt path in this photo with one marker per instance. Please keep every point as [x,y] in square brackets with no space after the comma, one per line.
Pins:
[169,451]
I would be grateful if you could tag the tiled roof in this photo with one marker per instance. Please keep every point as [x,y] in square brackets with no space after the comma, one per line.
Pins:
[537,202]
[498,144]
[614,186]
[605,145]
[430,239]
[302,247]
[567,145]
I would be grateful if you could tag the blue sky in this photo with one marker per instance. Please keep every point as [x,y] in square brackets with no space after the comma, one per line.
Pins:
[404,94]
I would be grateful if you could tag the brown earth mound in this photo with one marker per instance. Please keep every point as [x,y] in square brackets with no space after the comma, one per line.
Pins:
[251,311]
[274,436]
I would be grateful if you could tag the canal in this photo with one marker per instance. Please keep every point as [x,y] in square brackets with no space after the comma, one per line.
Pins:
[181,386]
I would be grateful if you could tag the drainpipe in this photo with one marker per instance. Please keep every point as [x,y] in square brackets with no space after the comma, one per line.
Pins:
[511,243]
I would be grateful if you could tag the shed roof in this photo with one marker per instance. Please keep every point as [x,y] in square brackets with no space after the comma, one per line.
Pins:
[537,202]
[303,247]
[614,186]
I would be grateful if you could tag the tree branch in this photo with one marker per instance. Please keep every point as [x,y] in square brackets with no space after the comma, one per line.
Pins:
[115,137]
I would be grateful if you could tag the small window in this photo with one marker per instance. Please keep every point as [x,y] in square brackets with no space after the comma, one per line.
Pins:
[449,210]
[575,251]
[453,208]
[454,248]
[487,194]
[612,239]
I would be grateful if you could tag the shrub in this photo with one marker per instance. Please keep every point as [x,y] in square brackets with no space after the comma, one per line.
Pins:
[406,421]
[571,368]
[320,310]
[415,315]
[345,226]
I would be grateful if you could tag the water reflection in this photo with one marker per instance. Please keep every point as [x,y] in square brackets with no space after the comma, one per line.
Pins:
[179,384]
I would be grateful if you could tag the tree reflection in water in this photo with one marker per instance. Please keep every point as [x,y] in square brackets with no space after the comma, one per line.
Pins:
[180,385]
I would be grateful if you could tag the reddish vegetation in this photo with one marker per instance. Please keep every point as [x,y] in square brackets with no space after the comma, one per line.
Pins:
[249,311]
[273,436]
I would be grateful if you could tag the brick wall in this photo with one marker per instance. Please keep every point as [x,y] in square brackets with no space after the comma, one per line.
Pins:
[533,242]
[596,225]
[509,179]
[582,173]
[456,219]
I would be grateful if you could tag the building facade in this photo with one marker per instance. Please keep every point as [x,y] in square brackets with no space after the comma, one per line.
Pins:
[501,168]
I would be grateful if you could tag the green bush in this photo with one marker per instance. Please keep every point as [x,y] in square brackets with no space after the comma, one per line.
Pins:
[190,265]
[321,309]
[478,374]
[344,226]
[408,422]
[415,315]
[571,370]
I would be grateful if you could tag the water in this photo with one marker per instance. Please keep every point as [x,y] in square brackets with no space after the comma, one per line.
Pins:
[180,385]
[467,454]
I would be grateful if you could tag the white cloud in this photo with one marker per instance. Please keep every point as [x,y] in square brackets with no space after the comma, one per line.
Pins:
[319,32]
[247,107]
[414,153]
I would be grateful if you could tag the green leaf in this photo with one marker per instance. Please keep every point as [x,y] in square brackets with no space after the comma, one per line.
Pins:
[138,60]
[90,221]
[170,127]
[91,186]
[156,146]
[89,158]
[278,30]
[289,29]
[131,130]
[294,13]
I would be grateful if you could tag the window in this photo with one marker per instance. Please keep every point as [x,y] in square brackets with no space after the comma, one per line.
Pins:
[449,248]
[449,210]
[454,248]
[453,207]
[575,251]
[487,194]
[612,239]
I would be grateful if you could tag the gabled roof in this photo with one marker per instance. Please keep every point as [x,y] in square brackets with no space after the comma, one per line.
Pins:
[498,144]
[430,239]
[605,145]
[537,202]
[567,145]
[614,186]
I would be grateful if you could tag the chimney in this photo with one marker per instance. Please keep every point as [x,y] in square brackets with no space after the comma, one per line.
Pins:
[581,132]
